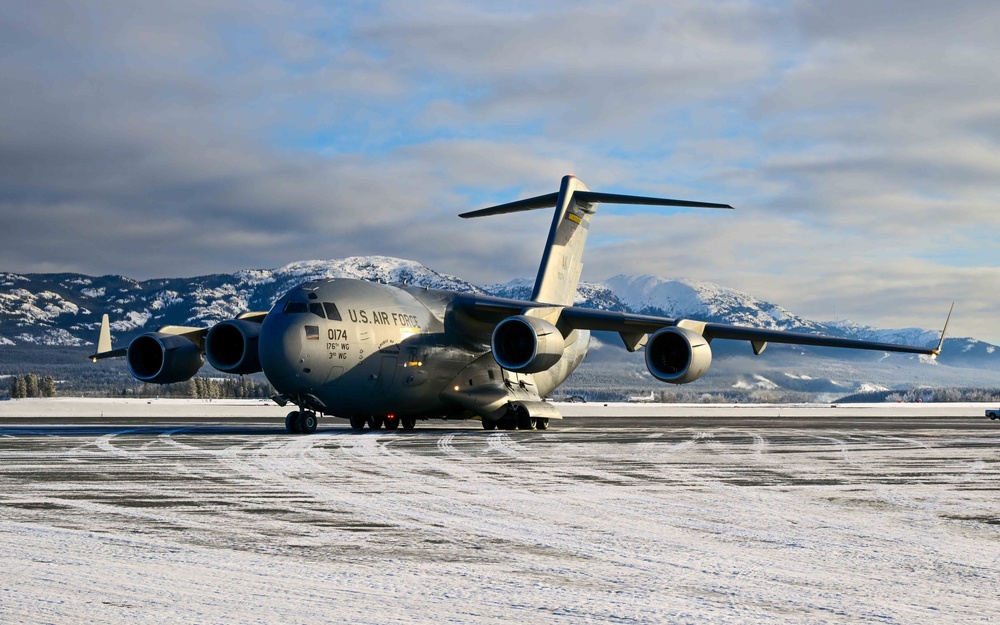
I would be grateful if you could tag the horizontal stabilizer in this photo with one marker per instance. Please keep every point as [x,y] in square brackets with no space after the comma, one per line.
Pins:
[585,197]
[542,201]
[614,198]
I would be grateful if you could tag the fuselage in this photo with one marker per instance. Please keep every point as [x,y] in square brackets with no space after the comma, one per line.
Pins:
[354,348]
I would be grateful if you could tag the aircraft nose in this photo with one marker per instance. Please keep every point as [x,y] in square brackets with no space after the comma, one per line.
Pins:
[280,346]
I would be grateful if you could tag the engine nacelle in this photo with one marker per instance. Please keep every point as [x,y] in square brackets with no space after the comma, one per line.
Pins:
[163,358]
[677,355]
[231,347]
[526,344]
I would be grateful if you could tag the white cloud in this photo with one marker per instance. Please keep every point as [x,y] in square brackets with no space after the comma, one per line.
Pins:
[859,142]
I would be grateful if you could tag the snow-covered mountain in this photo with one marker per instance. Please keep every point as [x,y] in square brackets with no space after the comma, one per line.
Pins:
[65,309]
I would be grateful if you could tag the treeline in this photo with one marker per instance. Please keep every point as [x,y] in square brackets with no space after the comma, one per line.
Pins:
[919,395]
[200,388]
[736,396]
[776,396]
[31,385]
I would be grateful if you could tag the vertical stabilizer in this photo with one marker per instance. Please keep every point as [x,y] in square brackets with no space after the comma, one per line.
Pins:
[562,260]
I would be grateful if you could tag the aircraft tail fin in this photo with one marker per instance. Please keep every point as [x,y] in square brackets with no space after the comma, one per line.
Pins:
[562,264]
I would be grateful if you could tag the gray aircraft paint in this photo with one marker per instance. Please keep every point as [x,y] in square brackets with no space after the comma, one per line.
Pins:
[363,350]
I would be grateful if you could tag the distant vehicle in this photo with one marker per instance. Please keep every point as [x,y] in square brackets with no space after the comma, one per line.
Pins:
[643,399]
[387,355]
[993,414]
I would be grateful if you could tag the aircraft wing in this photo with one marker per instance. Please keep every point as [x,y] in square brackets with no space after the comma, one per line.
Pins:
[634,329]
[628,324]
[195,335]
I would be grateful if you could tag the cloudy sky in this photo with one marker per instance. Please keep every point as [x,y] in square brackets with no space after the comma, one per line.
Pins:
[859,141]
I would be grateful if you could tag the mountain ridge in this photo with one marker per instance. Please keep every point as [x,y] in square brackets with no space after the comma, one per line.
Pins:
[64,309]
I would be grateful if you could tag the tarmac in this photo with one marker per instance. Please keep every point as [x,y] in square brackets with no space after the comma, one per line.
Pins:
[186,511]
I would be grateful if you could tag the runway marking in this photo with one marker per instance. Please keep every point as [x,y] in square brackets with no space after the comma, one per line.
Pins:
[502,443]
[908,441]
[444,444]
[104,444]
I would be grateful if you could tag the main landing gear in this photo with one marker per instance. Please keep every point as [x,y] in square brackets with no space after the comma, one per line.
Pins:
[301,422]
[521,422]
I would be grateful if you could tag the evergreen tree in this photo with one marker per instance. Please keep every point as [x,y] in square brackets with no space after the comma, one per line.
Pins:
[31,385]
[17,388]
[47,387]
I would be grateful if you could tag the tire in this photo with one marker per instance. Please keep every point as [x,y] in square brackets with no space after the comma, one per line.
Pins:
[507,423]
[525,422]
[542,423]
[292,422]
[358,423]
[489,425]
[307,422]
[392,423]
[375,423]
[409,423]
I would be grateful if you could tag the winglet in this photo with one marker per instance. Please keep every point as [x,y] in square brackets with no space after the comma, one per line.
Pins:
[104,343]
[943,330]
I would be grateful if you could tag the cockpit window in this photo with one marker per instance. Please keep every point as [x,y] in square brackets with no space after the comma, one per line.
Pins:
[331,311]
[295,308]
[317,309]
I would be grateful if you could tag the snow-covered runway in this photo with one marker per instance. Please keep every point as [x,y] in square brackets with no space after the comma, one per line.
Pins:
[241,523]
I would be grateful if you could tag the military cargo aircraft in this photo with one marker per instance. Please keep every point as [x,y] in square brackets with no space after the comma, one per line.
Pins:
[385,355]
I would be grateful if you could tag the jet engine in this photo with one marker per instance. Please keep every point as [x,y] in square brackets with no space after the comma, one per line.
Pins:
[162,358]
[677,355]
[231,347]
[526,344]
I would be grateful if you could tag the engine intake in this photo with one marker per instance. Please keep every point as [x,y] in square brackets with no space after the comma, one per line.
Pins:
[677,355]
[526,344]
[161,358]
[231,347]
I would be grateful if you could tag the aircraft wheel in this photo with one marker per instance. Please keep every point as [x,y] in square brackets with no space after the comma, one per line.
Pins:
[392,423]
[292,422]
[307,422]
[507,423]
[409,423]
[489,425]
[375,423]
[542,423]
[358,423]
[526,423]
